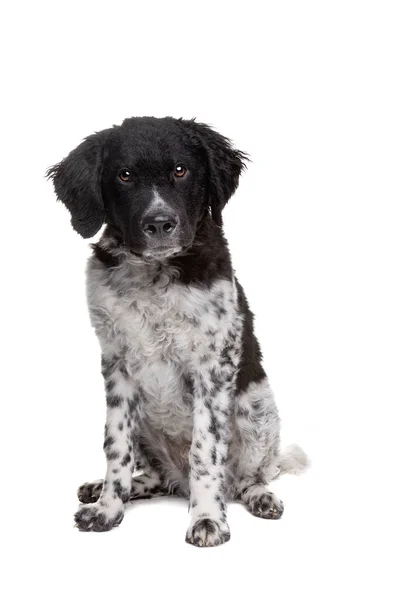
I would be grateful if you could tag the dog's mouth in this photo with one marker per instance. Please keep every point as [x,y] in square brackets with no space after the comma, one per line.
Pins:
[161,252]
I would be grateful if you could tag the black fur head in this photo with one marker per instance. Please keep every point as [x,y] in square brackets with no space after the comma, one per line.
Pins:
[151,180]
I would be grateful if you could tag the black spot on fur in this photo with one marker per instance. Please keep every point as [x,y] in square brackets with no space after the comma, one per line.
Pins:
[109,441]
[242,412]
[110,385]
[113,401]
[196,459]
[112,455]
[120,491]
[214,428]
[126,460]
[123,370]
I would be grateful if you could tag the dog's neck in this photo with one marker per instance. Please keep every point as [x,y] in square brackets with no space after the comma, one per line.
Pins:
[206,260]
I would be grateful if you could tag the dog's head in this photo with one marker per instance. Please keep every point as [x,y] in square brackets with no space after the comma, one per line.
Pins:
[151,180]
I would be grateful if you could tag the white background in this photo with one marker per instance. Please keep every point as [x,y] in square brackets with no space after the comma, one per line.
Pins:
[311,91]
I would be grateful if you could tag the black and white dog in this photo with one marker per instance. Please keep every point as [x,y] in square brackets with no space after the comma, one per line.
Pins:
[188,401]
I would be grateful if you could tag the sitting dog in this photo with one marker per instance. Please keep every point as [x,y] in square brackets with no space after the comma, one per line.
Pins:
[188,401]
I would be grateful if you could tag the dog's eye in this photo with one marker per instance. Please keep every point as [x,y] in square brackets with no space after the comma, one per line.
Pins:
[180,170]
[125,175]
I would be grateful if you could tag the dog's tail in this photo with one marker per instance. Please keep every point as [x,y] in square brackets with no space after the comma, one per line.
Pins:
[292,460]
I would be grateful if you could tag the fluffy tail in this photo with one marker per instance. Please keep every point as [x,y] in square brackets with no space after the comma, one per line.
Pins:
[292,460]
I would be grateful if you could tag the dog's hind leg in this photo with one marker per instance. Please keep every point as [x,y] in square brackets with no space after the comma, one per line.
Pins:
[146,485]
[90,492]
[254,452]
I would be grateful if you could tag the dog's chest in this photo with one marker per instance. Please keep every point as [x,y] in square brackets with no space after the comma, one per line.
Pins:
[158,324]
[156,320]
[161,329]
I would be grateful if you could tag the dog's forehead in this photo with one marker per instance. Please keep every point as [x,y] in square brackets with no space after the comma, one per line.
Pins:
[151,139]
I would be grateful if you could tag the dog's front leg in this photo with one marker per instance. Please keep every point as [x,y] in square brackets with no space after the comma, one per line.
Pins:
[211,421]
[119,441]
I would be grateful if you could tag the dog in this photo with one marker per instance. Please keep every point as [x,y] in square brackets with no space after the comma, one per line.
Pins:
[189,405]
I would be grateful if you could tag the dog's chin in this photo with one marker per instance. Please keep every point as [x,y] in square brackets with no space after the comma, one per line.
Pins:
[160,253]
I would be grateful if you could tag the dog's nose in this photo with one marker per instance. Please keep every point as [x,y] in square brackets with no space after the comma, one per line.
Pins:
[159,225]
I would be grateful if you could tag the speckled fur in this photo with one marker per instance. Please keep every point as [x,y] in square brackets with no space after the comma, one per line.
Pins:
[170,359]
[188,401]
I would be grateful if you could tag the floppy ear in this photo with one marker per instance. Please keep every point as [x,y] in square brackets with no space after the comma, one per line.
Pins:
[77,183]
[225,165]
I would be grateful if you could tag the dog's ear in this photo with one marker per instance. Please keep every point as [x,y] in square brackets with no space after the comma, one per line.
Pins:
[225,165]
[77,183]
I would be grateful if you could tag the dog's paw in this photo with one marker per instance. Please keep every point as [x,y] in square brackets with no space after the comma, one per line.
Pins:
[90,492]
[263,503]
[207,532]
[99,517]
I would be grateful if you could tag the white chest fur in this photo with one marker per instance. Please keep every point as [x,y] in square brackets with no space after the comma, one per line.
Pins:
[162,329]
